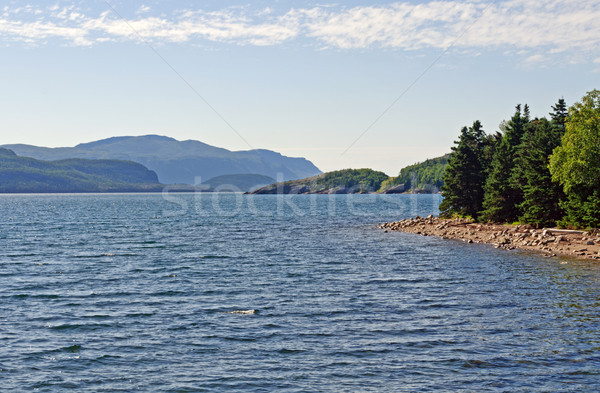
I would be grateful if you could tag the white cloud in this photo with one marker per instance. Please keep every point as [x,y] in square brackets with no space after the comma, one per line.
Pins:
[555,25]
[538,28]
[143,9]
[538,58]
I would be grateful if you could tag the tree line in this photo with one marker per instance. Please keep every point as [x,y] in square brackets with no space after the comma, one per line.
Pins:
[540,171]
[426,176]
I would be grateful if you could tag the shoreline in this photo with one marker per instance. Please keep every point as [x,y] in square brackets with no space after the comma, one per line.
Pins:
[550,241]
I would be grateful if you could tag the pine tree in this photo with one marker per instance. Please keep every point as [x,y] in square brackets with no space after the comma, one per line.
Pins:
[503,188]
[465,175]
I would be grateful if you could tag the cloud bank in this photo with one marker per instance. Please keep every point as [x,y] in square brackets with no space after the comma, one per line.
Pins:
[550,27]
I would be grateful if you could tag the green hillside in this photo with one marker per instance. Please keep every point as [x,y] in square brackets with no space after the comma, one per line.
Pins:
[28,175]
[346,181]
[425,177]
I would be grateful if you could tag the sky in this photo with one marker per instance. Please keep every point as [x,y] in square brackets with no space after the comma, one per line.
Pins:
[355,84]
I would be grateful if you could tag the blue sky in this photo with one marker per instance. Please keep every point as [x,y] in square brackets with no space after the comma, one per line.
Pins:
[302,78]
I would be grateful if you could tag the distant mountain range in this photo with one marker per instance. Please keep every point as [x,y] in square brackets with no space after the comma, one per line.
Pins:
[28,175]
[179,161]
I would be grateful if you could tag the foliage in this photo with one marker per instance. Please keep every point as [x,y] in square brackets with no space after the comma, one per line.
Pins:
[581,211]
[364,179]
[427,175]
[541,195]
[466,173]
[342,181]
[540,172]
[575,164]
[559,115]
[503,189]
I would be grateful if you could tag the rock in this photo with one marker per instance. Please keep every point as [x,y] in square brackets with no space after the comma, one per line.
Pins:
[396,190]
[589,243]
[336,190]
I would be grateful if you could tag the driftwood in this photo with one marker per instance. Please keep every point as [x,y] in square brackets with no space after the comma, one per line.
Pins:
[565,231]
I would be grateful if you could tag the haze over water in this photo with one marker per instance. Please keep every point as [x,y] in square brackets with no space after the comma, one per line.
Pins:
[140,292]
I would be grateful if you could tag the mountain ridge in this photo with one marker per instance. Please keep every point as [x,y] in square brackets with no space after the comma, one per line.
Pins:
[179,161]
[20,174]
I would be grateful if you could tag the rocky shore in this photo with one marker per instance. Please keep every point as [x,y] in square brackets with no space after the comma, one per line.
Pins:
[551,241]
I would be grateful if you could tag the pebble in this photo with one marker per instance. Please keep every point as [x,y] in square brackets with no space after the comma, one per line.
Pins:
[523,236]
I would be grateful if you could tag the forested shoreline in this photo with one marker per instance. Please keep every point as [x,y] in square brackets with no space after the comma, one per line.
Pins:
[541,171]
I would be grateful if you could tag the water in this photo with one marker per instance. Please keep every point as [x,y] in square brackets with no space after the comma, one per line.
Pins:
[136,293]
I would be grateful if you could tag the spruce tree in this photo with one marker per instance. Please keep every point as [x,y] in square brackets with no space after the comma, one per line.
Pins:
[541,195]
[559,114]
[503,188]
[464,176]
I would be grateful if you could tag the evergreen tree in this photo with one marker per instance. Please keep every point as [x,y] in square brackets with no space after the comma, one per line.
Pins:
[541,195]
[559,114]
[576,163]
[465,174]
[503,189]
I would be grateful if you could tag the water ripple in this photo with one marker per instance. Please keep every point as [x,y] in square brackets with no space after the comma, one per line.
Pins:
[97,296]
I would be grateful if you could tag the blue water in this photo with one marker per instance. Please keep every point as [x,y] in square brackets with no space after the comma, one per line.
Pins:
[136,292]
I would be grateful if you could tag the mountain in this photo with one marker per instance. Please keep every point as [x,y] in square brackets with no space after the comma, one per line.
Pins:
[241,182]
[28,175]
[423,177]
[346,181]
[175,161]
